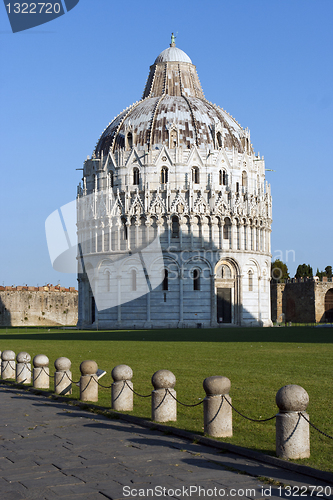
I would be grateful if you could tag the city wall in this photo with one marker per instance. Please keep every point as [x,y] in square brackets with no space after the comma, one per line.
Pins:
[300,301]
[38,306]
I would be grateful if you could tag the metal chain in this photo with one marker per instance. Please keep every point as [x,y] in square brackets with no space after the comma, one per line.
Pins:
[43,369]
[183,404]
[104,386]
[248,418]
[86,387]
[218,411]
[308,421]
[62,378]
[73,382]
[165,395]
[136,393]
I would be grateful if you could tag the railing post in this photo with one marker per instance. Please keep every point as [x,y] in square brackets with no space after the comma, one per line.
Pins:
[8,364]
[163,405]
[23,368]
[41,372]
[63,376]
[121,393]
[88,381]
[217,412]
[292,430]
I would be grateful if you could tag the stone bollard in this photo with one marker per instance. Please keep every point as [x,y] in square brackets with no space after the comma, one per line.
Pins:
[88,381]
[292,431]
[23,368]
[41,379]
[217,415]
[7,364]
[163,405]
[121,394]
[62,376]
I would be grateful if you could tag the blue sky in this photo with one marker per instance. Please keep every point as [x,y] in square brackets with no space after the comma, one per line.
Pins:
[267,62]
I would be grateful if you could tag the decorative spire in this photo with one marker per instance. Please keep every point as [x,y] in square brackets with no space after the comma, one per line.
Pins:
[173,38]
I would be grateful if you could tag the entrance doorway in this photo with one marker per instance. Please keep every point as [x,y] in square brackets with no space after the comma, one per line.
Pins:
[223,305]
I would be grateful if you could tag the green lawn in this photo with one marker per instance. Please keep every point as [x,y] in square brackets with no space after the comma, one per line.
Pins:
[258,361]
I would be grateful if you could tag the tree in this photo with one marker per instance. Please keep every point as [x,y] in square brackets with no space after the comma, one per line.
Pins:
[328,271]
[279,271]
[304,271]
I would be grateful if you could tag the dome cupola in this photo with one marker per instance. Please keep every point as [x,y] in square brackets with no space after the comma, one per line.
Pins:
[172,98]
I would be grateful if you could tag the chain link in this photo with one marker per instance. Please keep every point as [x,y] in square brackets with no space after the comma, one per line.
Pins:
[104,386]
[183,404]
[73,382]
[165,395]
[308,421]
[136,393]
[248,418]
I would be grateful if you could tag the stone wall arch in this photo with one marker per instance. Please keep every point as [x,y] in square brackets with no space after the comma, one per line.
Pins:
[227,291]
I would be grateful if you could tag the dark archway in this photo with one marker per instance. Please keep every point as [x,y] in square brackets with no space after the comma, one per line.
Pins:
[329,306]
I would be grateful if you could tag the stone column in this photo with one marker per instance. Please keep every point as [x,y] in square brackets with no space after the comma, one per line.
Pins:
[23,368]
[163,405]
[217,414]
[63,376]
[292,430]
[221,233]
[241,235]
[41,379]
[121,393]
[213,304]
[88,381]
[7,364]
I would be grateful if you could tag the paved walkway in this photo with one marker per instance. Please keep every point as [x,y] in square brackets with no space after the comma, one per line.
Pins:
[52,451]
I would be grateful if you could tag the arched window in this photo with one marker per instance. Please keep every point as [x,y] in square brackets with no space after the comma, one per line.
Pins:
[133,275]
[129,140]
[196,279]
[174,227]
[244,179]
[164,175]
[250,280]
[219,139]
[136,176]
[222,178]
[227,229]
[111,178]
[195,175]
[166,280]
[237,187]
[224,272]
[108,281]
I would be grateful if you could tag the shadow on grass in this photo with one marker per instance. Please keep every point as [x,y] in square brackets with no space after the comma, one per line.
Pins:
[303,334]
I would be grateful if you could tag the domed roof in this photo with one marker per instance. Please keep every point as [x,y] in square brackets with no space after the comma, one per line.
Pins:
[173,53]
[173,108]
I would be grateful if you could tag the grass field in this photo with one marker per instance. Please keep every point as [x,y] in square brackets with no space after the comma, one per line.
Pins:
[258,361]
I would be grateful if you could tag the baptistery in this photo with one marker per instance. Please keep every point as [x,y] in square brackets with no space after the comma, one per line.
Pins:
[174,213]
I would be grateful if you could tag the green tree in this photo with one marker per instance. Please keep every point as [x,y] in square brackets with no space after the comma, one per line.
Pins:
[328,271]
[304,271]
[279,271]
